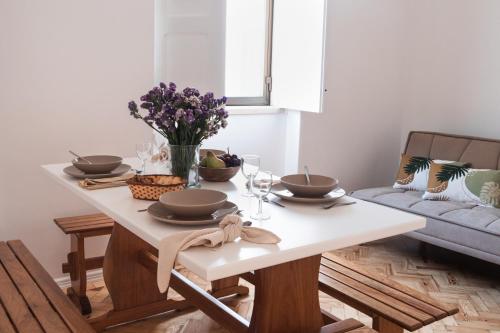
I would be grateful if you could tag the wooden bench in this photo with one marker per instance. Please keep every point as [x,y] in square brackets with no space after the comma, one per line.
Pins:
[393,306]
[30,300]
[79,228]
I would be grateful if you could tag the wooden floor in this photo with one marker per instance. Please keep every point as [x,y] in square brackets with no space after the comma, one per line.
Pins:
[471,284]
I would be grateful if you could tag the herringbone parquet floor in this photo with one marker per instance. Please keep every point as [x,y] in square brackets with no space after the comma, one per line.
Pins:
[471,284]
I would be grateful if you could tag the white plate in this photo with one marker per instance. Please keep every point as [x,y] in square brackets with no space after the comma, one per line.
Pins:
[77,173]
[283,193]
[161,213]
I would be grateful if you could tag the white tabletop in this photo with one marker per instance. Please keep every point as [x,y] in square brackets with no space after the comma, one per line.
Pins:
[305,230]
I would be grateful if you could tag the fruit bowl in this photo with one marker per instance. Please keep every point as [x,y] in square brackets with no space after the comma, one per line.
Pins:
[218,166]
[218,175]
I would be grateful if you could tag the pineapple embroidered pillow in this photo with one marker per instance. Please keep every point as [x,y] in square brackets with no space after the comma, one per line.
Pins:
[458,182]
[413,173]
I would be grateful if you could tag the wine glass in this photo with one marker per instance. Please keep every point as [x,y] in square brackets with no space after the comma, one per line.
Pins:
[250,165]
[155,155]
[143,151]
[261,187]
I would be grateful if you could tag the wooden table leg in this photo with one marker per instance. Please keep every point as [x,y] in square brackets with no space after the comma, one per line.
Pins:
[128,282]
[132,286]
[286,298]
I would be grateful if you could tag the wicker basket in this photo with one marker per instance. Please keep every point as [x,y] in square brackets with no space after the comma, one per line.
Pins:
[151,187]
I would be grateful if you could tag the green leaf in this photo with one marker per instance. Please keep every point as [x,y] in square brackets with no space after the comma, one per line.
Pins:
[452,171]
[416,164]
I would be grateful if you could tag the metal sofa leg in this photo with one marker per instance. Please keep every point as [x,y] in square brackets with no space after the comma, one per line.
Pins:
[423,249]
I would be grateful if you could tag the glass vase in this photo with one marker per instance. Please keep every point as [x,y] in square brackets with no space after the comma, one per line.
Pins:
[184,161]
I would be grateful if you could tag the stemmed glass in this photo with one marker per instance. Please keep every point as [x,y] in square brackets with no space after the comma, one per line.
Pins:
[261,187]
[250,165]
[143,151]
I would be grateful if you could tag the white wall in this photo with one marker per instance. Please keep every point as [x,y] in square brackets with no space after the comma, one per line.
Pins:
[260,134]
[453,64]
[357,137]
[393,66]
[67,72]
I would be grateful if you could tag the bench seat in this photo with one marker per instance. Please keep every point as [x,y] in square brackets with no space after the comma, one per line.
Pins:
[392,306]
[30,300]
[85,224]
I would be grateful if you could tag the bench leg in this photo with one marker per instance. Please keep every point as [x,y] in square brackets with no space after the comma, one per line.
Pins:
[383,325]
[78,274]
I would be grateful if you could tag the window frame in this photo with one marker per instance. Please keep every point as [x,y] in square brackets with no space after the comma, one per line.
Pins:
[265,99]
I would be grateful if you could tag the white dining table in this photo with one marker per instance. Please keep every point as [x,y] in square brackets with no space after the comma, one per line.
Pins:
[306,231]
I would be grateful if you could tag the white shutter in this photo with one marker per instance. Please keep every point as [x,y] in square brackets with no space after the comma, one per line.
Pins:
[298,54]
[190,43]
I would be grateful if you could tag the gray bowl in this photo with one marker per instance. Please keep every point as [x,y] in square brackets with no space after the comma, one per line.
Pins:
[320,185]
[193,202]
[99,163]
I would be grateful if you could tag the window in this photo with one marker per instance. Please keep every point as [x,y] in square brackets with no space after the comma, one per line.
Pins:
[224,46]
[248,52]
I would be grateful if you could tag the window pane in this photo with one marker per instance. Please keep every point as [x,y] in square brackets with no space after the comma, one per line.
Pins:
[245,47]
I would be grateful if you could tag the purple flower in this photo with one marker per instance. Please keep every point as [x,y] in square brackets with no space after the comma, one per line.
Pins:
[132,106]
[221,112]
[184,117]
[179,114]
[189,117]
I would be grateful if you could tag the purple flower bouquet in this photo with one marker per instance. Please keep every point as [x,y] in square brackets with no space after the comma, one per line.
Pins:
[184,118]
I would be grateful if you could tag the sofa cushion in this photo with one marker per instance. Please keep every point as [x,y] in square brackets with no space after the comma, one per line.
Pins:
[413,173]
[452,181]
[464,214]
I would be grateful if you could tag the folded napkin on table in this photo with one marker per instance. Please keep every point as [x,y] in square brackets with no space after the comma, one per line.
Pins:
[230,228]
[95,184]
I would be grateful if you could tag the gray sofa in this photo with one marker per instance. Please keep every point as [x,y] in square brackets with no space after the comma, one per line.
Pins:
[462,227]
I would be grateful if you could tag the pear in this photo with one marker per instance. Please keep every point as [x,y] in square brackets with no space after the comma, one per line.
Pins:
[214,162]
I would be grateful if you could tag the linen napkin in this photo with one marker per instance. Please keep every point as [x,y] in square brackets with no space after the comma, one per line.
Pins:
[95,184]
[230,228]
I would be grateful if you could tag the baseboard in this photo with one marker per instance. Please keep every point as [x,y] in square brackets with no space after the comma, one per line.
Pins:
[93,275]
